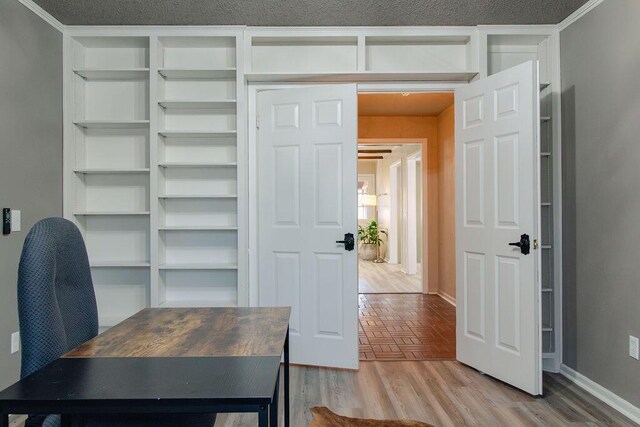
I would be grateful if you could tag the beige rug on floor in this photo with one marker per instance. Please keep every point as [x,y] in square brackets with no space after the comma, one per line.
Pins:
[323,417]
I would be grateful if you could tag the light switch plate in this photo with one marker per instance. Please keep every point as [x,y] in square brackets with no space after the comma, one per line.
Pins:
[634,347]
[15,342]
[16,220]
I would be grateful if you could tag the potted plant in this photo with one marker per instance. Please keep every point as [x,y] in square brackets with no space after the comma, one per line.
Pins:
[370,239]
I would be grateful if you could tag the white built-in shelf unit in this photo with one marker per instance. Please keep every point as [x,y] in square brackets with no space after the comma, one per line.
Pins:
[152,175]
[156,161]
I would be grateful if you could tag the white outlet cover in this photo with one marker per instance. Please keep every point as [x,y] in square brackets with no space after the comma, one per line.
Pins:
[15,342]
[634,347]
[16,220]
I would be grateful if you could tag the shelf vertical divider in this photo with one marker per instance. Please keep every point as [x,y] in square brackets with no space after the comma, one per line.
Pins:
[242,189]
[154,285]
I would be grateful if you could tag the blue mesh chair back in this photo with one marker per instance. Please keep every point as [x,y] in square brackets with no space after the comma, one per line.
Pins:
[56,300]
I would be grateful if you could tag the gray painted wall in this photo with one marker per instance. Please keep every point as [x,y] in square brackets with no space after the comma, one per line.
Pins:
[30,147]
[309,12]
[601,151]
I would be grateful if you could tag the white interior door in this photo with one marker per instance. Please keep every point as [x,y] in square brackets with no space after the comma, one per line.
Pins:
[307,201]
[497,200]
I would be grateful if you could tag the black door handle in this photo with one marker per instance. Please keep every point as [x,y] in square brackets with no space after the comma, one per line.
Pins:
[524,244]
[349,241]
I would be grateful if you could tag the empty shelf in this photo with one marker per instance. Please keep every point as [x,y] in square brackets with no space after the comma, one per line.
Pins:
[545,119]
[195,105]
[109,74]
[545,154]
[186,73]
[547,328]
[196,165]
[199,303]
[110,213]
[548,355]
[545,246]
[546,204]
[197,133]
[201,266]
[547,290]
[543,86]
[364,76]
[198,227]
[198,196]
[119,264]
[111,171]
[112,124]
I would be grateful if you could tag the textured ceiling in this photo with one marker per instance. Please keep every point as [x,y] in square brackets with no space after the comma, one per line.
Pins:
[309,12]
[395,104]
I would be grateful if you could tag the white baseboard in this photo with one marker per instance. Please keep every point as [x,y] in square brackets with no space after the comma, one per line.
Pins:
[448,298]
[601,393]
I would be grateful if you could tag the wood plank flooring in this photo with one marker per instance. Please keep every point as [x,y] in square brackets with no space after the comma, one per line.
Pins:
[386,278]
[443,393]
[406,327]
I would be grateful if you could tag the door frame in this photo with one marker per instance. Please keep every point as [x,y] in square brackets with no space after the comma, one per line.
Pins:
[252,90]
[393,247]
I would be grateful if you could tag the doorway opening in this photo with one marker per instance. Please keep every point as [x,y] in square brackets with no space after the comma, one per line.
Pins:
[406,221]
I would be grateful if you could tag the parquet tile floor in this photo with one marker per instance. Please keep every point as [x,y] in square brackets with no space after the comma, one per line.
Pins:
[406,327]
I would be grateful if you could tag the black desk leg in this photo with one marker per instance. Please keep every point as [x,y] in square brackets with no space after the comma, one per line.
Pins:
[65,420]
[287,415]
[273,410]
[4,420]
[263,416]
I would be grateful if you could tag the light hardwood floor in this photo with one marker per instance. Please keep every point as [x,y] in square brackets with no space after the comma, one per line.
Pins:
[385,278]
[440,393]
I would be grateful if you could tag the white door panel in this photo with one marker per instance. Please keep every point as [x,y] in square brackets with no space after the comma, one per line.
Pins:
[497,128]
[307,190]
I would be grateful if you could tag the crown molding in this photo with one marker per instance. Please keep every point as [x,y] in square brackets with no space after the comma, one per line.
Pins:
[583,10]
[31,5]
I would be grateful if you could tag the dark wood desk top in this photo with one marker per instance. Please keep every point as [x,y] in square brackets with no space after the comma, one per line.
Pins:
[156,384]
[193,332]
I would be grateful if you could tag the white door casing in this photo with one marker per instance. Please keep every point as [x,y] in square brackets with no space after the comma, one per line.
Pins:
[497,200]
[307,200]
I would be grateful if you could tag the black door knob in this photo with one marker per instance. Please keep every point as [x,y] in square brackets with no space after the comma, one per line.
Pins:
[349,241]
[524,244]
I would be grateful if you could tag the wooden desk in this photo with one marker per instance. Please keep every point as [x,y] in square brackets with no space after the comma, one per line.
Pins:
[165,360]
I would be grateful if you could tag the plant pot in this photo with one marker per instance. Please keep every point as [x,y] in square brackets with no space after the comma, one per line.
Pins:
[368,251]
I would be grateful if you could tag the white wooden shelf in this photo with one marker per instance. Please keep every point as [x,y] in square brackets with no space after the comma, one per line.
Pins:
[198,105]
[119,264]
[197,196]
[548,355]
[199,266]
[197,165]
[545,154]
[547,290]
[547,328]
[112,124]
[107,171]
[363,77]
[198,228]
[194,73]
[197,133]
[113,74]
[111,213]
[545,119]
[199,303]
[545,204]
[543,86]
[545,247]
